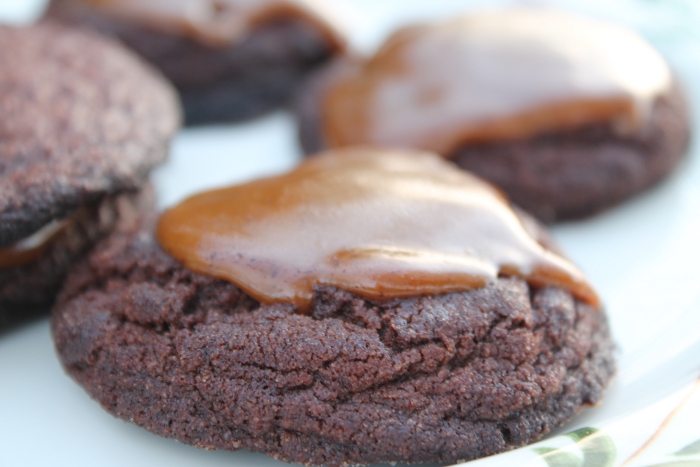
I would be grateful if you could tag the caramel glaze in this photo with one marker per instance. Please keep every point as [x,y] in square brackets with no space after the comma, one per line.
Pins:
[219,23]
[379,223]
[495,75]
[29,249]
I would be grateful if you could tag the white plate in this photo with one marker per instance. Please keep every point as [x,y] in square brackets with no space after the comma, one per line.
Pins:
[644,258]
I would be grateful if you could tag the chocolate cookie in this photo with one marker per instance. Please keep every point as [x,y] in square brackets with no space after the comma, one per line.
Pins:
[333,376]
[230,60]
[567,115]
[82,123]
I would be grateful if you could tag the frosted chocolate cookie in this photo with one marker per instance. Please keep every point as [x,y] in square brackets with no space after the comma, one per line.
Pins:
[370,306]
[230,59]
[567,115]
[82,122]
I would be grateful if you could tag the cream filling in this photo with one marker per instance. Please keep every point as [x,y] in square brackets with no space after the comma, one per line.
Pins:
[29,248]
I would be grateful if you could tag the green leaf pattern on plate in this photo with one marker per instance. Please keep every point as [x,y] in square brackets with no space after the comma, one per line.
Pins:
[689,450]
[558,458]
[597,450]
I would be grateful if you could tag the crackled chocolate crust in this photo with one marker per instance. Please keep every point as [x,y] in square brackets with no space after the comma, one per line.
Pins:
[81,118]
[232,83]
[432,379]
[28,291]
[565,175]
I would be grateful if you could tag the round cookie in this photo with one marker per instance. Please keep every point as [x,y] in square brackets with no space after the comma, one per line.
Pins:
[230,60]
[343,379]
[83,122]
[569,116]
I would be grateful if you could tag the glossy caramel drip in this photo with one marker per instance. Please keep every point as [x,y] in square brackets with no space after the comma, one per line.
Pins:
[495,75]
[383,224]
[220,22]
[29,249]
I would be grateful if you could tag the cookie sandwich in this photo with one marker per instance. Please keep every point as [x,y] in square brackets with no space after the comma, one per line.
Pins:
[83,121]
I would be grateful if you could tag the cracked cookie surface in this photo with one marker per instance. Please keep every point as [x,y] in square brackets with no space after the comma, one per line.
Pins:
[430,379]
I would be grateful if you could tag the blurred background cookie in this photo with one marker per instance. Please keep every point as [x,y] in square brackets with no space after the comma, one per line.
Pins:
[230,59]
[567,115]
[82,122]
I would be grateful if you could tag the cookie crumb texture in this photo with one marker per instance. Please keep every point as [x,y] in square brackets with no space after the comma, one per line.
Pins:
[430,379]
